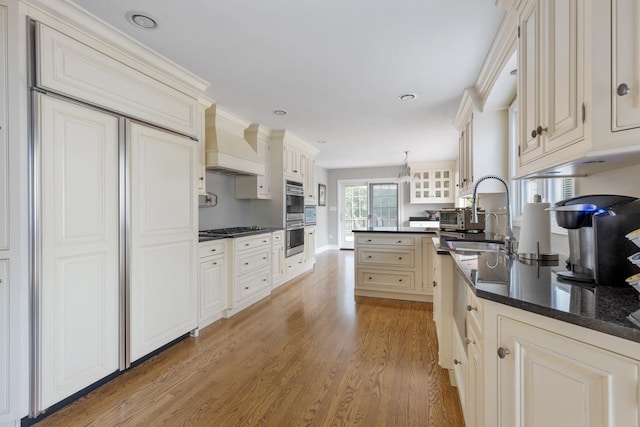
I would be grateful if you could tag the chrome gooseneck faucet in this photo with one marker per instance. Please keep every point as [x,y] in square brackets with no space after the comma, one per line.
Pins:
[510,241]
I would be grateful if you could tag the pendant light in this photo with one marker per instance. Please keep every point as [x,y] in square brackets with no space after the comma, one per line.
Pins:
[405,175]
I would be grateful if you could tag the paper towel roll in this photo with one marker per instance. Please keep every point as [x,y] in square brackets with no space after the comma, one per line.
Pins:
[535,230]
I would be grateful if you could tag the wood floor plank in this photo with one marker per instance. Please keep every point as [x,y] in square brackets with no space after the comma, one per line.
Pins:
[309,355]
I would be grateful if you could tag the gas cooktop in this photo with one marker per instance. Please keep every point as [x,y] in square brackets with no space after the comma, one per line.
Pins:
[231,231]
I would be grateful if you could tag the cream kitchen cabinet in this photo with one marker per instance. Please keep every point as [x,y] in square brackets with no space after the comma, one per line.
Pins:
[309,246]
[442,283]
[212,282]
[249,271]
[309,183]
[294,163]
[432,182]
[474,400]
[551,76]
[540,371]
[203,104]
[483,146]
[294,266]
[390,265]
[258,186]
[578,87]
[277,261]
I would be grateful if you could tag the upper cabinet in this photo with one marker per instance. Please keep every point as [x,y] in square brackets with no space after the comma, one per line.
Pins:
[258,186]
[551,77]
[432,182]
[483,146]
[579,91]
[298,161]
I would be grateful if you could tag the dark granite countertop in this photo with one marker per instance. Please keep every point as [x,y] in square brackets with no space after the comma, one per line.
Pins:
[248,233]
[535,288]
[414,230]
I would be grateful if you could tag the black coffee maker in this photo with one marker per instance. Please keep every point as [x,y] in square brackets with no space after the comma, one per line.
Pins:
[598,249]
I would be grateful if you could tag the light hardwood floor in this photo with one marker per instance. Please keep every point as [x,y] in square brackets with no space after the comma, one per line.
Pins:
[309,355]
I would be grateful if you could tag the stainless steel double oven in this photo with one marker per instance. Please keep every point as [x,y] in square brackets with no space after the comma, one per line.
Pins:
[294,210]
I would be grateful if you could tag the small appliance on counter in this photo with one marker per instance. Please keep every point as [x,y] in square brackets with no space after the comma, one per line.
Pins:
[459,219]
[597,226]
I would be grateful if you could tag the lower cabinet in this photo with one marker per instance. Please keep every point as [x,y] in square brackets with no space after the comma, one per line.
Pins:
[391,265]
[293,266]
[544,372]
[249,271]
[441,281]
[310,245]
[277,258]
[212,281]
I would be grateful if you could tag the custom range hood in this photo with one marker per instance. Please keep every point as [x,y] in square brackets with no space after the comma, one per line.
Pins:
[227,151]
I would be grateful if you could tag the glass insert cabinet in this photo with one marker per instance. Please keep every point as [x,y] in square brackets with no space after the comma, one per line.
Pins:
[432,183]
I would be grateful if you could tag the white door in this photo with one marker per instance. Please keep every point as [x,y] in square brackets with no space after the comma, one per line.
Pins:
[79,226]
[163,238]
[364,204]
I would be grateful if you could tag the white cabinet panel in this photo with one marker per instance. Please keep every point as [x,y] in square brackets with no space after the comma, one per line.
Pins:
[4,147]
[213,289]
[4,338]
[548,379]
[163,284]
[626,64]
[79,281]
[70,67]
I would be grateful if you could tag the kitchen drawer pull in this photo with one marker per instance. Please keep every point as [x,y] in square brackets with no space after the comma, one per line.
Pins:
[399,258]
[434,283]
[247,244]
[370,278]
[264,241]
[246,263]
[214,263]
[457,362]
[623,89]
[264,280]
[369,256]
[399,280]
[368,240]
[213,250]
[264,257]
[470,308]
[503,352]
[399,241]
[246,288]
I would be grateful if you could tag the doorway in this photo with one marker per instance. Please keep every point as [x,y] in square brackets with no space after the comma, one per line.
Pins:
[364,204]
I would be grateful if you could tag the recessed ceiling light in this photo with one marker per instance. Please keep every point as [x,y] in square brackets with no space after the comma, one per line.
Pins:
[321,141]
[408,97]
[280,112]
[142,20]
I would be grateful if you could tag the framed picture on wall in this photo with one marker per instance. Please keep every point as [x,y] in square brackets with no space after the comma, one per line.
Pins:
[322,195]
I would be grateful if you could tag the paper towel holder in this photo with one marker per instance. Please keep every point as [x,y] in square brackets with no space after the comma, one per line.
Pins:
[538,256]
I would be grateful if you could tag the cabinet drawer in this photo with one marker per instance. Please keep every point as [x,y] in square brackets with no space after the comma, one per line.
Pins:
[474,311]
[386,281]
[252,242]
[277,236]
[253,284]
[403,258]
[247,262]
[391,240]
[213,247]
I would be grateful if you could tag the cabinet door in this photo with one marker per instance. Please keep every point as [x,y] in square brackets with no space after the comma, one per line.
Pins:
[551,380]
[213,289]
[4,147]
[5,348]
[264,181]
[474,400]
[530,145]
[310,180]
[277,266]
[79,284]
[310,245]
[626,64]
[202,167]
[564,74]
[164,227]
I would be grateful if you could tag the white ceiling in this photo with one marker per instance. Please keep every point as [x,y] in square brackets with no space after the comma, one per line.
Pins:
[336,66]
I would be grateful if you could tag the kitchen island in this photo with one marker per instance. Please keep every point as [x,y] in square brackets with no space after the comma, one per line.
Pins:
[390,263]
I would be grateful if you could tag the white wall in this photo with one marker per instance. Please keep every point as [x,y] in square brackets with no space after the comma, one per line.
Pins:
[229,212]
[322,219]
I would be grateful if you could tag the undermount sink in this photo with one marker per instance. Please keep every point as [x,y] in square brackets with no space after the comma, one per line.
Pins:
[474,246]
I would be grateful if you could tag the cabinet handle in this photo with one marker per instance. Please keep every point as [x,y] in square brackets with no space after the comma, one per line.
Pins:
[399,241]
[246,288]
[264,280]
[295,171]
[369,256]
[399,280]
[213,250]
[214,263]
[503,352]
[368,240]
[264,257]
[399,258]
[246,263]
[470,308]
[434,283]
[201,178]
[261,186]
[369,278]
[264,241]
[623,89]
[457,362]
[468,340]
[538,131]
[247,244]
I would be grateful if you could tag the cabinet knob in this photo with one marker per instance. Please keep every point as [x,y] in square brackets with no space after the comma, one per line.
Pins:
[470,308]
[369,278]
[201,178]
[246,288]
[261,186]
[246,263]
[399,257]
[369,256]
[213,250]
[623,89]
[503,352]
[368,240]
[214,263]
[538,131]
[457,362]
[434,283]
[246,244]
[399,280]
[264,257]
[399,241]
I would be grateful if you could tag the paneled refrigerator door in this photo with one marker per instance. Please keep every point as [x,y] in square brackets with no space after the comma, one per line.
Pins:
[78,286]
[163,233]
